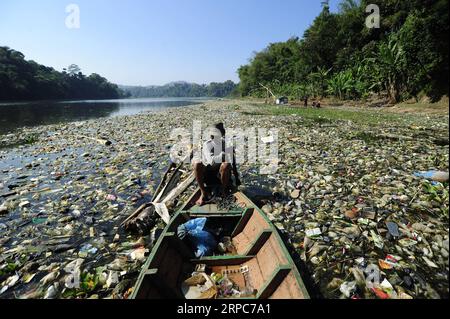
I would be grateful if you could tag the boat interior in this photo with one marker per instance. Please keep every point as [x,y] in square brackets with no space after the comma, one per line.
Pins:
[259,262]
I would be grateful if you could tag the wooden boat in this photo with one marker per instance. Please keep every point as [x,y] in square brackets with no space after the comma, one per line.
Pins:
[261,260]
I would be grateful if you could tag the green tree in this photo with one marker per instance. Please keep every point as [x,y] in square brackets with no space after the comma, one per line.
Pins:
[27,80]
[319,79]
[406,56]
[390,68]
[321,42]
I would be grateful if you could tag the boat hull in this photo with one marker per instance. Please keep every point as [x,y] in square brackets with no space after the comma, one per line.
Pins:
[260,261]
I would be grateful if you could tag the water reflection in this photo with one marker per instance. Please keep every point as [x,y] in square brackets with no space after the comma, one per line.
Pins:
[16,115]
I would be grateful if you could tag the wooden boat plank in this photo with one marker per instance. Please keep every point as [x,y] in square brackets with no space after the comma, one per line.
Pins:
[155,278]
[161,189]
[247,214]
[257,278]
[171,268]
[269,257]
[222,260]
[273,272]
[288,289]
[298,278]
[160,245]
[210,215]
[135,213]
[233,273]
[274,282]
[253,228]
[180,246]
[259,242]
[179,189]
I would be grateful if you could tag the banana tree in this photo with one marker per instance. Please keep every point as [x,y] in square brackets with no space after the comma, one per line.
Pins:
[390,68]
[319,79]
[341,84]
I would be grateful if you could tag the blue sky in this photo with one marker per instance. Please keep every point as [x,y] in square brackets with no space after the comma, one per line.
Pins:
[153,42]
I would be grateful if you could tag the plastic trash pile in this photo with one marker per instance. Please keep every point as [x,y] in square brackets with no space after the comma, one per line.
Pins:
[344,190]
[214,286]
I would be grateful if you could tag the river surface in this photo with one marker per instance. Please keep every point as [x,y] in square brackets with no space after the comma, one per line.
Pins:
[17,115]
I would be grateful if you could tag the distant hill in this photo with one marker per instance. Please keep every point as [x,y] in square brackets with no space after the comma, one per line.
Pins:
[181,89]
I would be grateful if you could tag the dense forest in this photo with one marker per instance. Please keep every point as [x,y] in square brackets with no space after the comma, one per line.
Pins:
[182,89]
[339,56]
[27,80]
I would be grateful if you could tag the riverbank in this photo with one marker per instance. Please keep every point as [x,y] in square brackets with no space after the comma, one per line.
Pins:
[348,172]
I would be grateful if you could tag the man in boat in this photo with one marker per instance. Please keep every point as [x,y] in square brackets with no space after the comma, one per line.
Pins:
[217,163]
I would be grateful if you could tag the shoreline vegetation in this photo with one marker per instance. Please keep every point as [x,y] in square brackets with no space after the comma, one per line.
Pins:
[64,197]
[27,80]
[182,89]
[22,80]
[406,57]
[386,64]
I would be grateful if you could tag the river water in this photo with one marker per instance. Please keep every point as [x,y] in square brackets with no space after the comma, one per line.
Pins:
[17,115]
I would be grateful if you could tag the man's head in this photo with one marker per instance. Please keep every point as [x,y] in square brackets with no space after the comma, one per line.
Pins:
[219,126]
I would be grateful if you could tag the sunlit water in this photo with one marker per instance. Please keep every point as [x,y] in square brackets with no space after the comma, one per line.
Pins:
[17,115]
